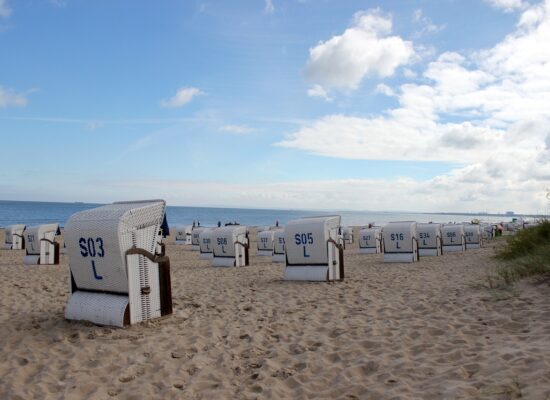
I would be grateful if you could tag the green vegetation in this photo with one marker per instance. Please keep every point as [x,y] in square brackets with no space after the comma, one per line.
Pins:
[527,253]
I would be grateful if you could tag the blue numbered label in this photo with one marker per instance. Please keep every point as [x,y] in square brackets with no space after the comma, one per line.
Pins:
[304,239]
[92,247]
[397,236]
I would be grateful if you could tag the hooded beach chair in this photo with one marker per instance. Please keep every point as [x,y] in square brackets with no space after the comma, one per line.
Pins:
[347,234]
[265,243]
[370,240]
[452,236]
[313,249]
[40,245]
[279,254]
[400,242]
[205,248]
[115,276]
[429,239]
[473,236]
[13,237]
[195,238]
[230,246]
[181,235]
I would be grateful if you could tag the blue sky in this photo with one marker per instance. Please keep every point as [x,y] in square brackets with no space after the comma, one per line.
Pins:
[418,105]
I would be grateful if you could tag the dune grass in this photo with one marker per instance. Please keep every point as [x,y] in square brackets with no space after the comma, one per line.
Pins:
[527,253]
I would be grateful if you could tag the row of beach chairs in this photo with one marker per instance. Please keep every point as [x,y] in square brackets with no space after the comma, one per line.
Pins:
[119,274]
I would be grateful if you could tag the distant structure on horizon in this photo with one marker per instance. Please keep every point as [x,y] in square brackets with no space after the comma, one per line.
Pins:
[510,213]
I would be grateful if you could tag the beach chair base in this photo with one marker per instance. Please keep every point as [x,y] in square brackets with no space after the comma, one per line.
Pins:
[181,241]
[206,256]
[429,252]
[31,260]
[368,250]
[453,249]
[99,308]
[223,261]
[306,273]
[264,253]
[195,247]
[278,258]
[472,246]
[7,247]
[400,257]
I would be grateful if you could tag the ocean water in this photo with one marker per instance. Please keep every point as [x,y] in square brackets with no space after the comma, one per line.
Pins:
[34,213]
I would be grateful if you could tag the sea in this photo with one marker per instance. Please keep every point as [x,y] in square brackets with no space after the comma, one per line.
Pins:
[35,213]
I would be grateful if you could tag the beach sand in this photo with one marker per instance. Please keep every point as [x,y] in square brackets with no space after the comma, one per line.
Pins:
[428,330]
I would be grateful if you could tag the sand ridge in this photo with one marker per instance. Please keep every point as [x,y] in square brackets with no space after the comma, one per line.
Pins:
[390,331]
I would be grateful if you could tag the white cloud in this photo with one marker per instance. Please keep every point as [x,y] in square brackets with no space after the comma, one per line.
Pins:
[426,25]
[269,7]
[471,189]
[384,89]
[507,5]
[182,97]
[319,91]
[488,112]
[9,98]
[366,48]
[5,11]
[237,129]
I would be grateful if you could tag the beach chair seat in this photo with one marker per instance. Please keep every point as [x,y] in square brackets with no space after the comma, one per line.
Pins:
[313,249]
[115,276]
[265,243]
[230,246]
[40,245]
[473,236]
[452,237]
[13,237]
[400,242]
[370,240]
[429,239]
[279,253]
[205,239]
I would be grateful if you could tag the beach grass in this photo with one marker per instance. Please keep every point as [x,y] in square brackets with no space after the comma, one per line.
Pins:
[525,254]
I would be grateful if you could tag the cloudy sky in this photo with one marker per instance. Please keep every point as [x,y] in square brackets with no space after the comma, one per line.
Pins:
[440,105]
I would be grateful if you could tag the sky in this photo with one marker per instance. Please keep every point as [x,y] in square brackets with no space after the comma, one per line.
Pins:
[427,105]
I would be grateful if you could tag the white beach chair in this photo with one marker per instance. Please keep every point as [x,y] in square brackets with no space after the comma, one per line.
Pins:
[400,242]
[279,254]
[195,238]
[40,245]
[265,243]
[205,239]
[370,240]
[230,246]
[488,231]
[13,237]
[313,250]
[473,236]
[429,239]
[347,234]
[183,234]
[116,277]
[452,236]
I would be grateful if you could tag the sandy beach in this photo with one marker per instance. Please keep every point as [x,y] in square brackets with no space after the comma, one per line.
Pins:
[428,330]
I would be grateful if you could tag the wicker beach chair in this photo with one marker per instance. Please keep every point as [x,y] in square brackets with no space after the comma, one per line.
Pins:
[313,249]
[230,246]
[265,243]
[13,237]
[370,240]
[279,253]
[452,236]
[205,248]
[429,240]
[40,245]
[116,277]
[400,242]
[473,236]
